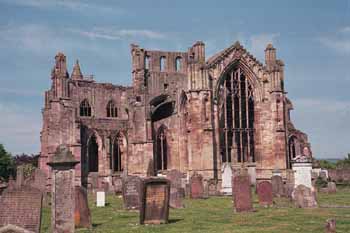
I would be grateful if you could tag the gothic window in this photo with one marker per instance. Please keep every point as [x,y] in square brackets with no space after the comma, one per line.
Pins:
[178,64]
[85,109]
[161,144]
[162,63]
[291,150]
[112,110]
[147,62]
[116,159]
[236,118]
[93,155]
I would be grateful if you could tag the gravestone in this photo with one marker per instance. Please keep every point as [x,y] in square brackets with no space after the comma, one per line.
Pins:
[265,195]
[82,216]
[196,186]
[332,187]
[331,226]
[131,192]
[212,187]
[63,194]
[176,195]
[155,195]
[100,199]
[277,186]
[302,167]
[242,193]
[118,184]
[21,207]
[226,177]
[13,229]
[304,197]
[289,186]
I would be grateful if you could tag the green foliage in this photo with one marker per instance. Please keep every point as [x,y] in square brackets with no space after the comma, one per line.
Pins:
[326,164]
[7,166]
[345,163]
[321,183]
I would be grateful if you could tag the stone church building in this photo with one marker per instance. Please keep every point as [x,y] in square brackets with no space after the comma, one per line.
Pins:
[182,112]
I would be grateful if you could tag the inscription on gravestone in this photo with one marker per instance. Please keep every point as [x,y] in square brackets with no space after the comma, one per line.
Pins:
[131,192]
[242,194]
[155,201]
[21,207]
[264,190]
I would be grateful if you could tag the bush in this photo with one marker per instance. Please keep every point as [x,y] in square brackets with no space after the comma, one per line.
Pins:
[321,183]
[7,165]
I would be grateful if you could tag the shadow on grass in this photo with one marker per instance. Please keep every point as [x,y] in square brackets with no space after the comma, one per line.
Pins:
[175,220]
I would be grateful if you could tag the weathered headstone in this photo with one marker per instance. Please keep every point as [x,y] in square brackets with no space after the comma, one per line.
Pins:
[265,195]
[212,187]
[118,184]
[277,186]
[226,176]
[304,197]
[63,194]
[131,192]
[196,186]
[82,216]
[100,199]
[13,229]
[251,168]
[302,167]
[332,187]
[241,193]
[21,207]
[331,226]
[289,186]
[176,196]
[155,201]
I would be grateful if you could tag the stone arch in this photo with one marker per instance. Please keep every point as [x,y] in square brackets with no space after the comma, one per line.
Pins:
[119,152]
[162,149]
[94,148]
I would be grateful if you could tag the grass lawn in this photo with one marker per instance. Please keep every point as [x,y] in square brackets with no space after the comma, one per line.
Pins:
[215,215]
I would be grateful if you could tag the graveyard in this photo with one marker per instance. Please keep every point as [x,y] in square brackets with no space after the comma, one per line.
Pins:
[215,215]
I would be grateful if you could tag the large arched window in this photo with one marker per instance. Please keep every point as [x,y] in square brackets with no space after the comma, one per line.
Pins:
[292,152]
[178,64]
[147,62]
[85,109]
[236,118]
[162,63]
[161,154]
[112,110]
[93,154]
[116,159]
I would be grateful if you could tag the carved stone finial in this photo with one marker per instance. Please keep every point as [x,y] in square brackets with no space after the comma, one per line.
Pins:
[76,74]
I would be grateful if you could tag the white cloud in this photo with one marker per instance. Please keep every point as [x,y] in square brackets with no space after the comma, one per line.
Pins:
[259,42]
[345,29]
[117,34]
[340,41]
[19,92]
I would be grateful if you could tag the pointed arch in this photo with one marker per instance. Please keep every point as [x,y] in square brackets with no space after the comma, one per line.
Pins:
[161,159]
[85,108]
[111,109]
[92,158]
[178,64]
[118,152]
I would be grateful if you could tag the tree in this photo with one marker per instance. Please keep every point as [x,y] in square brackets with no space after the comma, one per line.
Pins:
[326,164]
[7,166]
[344,163]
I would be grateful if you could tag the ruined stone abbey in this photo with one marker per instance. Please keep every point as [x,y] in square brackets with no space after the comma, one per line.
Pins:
[182,112]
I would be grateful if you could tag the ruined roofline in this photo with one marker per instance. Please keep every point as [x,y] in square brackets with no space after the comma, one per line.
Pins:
[136,46]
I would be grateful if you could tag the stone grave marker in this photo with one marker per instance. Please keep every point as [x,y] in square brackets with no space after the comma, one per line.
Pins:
[118,184]
[63,194]
[212,187]
[331,226]
[277,186]
[176,195]
[242,193]
[131,192]
[100,199]
[265,195]
[226,177]
[332,187]
[21,207]
[304,197]
[196,186]
[302,166]
[155,201]
[82,215]
[289,186]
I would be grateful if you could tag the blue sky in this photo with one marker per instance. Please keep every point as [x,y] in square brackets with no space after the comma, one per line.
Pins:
[311,37]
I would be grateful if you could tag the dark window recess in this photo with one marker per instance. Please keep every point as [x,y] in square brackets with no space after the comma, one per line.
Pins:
[93,155]
[112,110]
[166,86]
[85,109]
[162,149]
[138,98]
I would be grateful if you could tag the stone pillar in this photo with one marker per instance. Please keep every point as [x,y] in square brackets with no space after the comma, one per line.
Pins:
[302,173]
[63,196]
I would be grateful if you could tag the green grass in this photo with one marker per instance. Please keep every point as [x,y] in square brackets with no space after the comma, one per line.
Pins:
[215,215]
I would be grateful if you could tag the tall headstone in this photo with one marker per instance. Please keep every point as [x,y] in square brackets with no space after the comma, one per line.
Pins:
[131,192]
[176,195]
[155,201]
[82,215]
[331,187]
[196,186]
[242,193]
[302,167]
[63,194]
[304,197]
[226,177]
[21,207]
[100,199]
[277,186]
[264,190]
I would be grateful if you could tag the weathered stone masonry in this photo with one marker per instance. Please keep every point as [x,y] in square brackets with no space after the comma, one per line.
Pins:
[182,112]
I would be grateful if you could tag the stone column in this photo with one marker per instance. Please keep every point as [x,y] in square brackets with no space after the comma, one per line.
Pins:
[62,197]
